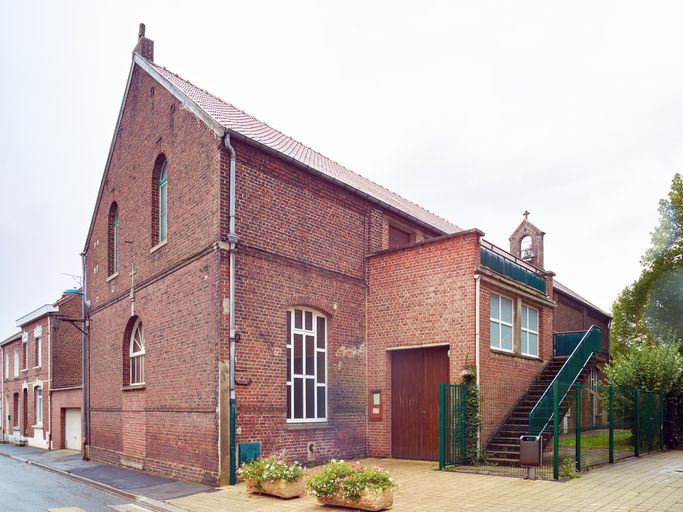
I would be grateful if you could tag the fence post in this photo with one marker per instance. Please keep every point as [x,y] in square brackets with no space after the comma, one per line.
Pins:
[577,425]
[636,428]
[661,420]
[649,421]
[610,416]
[462,400]
[442,426]
[556,431]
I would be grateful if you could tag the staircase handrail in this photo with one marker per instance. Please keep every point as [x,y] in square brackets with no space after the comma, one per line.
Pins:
[540,415]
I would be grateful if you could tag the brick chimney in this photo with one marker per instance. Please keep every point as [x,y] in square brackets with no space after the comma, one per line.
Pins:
[145,47]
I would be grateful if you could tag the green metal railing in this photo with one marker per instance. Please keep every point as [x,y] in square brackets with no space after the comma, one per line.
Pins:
[547,407]
[451,424]
[511,269]
[566,342]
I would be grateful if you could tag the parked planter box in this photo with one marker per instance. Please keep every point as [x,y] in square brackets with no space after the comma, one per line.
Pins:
[279,488]
[373,501]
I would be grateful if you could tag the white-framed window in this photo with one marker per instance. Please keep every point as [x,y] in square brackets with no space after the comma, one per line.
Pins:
[38,401]
[306,366]
[163,203]
[529,329]
[137,354]
[38,351]
[501,323]
[16,363]
[25,347]
[6,365]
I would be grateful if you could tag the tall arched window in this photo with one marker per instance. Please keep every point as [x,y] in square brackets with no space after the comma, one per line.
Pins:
[306,365]
[525,248]
[136,353]
[160,201]
[113,236]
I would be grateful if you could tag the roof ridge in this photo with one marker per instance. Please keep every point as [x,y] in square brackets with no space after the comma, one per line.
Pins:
[312,153]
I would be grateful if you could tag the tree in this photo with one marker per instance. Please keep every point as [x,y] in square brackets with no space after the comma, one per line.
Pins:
[651,309]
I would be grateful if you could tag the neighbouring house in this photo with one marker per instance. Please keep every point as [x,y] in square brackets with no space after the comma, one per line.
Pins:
[41,377]
[349,303]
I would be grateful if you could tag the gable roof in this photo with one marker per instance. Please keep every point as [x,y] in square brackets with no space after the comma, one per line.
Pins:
[571,293]
[222,116]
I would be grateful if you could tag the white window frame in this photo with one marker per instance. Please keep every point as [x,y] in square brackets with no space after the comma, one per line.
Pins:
[25,349]
[39,351]
[38,405]
[16,363]
[163,205]
[6,369]
[527,330]
[501,322]
[290,378]
[115,241]
[133,356]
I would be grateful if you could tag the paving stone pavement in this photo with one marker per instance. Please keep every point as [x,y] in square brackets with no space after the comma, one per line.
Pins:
[653,482]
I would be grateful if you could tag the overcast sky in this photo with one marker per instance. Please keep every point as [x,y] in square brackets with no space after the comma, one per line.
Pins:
[475,110]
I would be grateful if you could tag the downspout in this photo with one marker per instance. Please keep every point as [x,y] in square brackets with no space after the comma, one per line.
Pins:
[232,241]
[3,405]
[477,308]
[49,383]
[84,406]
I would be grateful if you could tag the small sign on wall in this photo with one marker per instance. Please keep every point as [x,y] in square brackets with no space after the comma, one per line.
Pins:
[375,405]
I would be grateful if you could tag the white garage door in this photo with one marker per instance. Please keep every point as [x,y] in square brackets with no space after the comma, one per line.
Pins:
[72,429]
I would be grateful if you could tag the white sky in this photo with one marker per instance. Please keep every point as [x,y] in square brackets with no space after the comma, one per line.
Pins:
[475,110]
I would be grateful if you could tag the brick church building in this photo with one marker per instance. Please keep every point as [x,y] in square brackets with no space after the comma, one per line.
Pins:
[348,306]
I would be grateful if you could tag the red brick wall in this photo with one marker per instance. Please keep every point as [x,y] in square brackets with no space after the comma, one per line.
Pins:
[66,345]
[61,400]
[572,315]
[419,295]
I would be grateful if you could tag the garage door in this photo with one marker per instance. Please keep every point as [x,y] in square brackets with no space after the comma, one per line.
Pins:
[72,429]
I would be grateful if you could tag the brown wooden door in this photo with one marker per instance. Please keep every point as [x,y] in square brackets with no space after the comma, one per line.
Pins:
[415,378]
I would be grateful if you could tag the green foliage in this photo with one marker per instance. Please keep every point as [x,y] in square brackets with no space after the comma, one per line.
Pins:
[568,468]
[340,479]
[270,469]
[648,366]
[473,421]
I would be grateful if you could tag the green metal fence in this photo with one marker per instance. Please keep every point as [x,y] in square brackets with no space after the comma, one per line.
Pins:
[590,425]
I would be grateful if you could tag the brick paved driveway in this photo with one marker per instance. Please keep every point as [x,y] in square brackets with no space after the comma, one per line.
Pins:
[653,482]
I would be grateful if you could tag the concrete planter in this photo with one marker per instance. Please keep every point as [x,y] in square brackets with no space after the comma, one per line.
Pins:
[279,488]
[369,500]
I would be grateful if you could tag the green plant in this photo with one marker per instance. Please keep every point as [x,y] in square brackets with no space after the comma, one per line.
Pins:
[472,418]
[568,468]
[339,479]
[270,469]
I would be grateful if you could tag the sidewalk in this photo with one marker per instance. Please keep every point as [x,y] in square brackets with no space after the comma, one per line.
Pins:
[653,482]
[149,490]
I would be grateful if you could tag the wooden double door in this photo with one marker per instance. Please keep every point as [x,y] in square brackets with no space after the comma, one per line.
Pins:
[415,378]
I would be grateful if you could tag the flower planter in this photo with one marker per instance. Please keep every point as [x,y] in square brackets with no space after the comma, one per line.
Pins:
[372,500]
[279,488]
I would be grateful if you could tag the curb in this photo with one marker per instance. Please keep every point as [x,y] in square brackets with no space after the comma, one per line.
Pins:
[150,503]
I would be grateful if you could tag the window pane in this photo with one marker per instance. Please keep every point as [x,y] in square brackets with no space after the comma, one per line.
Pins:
[506,337]
[533,344]
[321,367]
[321,331]
[299,398]
[495,334]
[322,412]
[309,320]
[525,313]
[298,354]
[310,350]
[495,309]
[533,319]
[289,327]
[289,364]
[506,310]
[525,348]
[289,401]
[310,398]
[297,319]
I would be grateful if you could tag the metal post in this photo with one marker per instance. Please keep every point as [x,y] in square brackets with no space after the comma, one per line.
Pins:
[577,424]
[649,421]
[556,431]
[636,428]
[611,424]
[661,420]
[442,426]
[462,398]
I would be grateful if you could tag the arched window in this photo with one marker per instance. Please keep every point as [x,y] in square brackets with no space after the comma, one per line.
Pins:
[525,248]
[160,201]
[306,365]
[136,354]
[113,236]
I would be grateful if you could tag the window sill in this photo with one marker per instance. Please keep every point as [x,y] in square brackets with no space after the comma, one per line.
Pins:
[516,355]
[38,367]
[312,425]
[158,246]
[39,425]
[112,277]
[24,369]
[132,387]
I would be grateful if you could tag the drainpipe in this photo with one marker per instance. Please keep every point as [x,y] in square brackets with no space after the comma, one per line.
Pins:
[49,383]
[477,308]
[3,405]
[84,407]
[232,240]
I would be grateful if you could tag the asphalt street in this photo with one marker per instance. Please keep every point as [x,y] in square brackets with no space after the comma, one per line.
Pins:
[26,488]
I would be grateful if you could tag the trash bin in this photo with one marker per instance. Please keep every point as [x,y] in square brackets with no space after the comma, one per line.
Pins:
[530,451]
